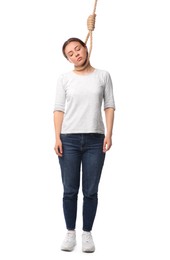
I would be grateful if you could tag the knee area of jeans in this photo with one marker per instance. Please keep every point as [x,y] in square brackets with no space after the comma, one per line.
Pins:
[91,196]
[70,196]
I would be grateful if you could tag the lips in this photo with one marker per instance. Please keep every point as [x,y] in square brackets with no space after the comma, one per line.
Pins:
[79,59]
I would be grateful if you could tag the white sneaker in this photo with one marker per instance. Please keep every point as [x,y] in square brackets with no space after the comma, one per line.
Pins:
[70,241]
[87,243]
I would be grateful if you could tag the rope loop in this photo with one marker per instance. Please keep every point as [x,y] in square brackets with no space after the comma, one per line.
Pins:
[90,25]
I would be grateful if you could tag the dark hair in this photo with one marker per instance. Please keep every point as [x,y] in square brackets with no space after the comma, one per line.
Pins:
[72,40]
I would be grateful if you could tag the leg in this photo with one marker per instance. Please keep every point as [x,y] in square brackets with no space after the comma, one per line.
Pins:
[92,164]
[70,170]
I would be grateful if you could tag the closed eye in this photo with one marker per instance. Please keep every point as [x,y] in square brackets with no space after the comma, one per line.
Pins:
[77,48]
[70,54]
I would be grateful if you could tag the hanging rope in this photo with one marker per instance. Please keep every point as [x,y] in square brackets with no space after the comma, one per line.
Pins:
[90,26]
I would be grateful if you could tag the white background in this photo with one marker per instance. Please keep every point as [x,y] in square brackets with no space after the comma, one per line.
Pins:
[131,40]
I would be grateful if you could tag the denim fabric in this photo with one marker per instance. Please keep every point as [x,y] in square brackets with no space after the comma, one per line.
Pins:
[81,152]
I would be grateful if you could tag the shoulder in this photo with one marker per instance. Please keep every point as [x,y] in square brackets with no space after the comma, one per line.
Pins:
[64,77]
[103,75]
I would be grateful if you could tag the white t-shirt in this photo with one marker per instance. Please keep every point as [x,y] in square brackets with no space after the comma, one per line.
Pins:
[81,97]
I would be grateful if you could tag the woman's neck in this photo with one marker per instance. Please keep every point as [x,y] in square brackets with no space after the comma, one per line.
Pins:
[86,70]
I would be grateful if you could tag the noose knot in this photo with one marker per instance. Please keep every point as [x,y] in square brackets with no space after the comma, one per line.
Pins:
[91,22]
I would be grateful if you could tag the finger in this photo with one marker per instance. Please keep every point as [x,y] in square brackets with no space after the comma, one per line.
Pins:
[57,150]
[61,149]
[104,146]
[109,146]
[59,154]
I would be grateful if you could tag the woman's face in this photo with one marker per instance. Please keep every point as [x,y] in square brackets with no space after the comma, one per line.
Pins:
[76,53]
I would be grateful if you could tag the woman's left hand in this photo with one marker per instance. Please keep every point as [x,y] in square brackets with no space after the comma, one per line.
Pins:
[107,143]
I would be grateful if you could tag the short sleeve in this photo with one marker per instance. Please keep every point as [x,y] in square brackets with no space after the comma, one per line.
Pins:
[60,96]
[108,93]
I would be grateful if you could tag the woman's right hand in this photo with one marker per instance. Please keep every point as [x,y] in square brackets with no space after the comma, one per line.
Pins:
[58,147]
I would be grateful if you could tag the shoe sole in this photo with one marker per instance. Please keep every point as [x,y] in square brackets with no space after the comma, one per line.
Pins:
[68,249]
[88,251]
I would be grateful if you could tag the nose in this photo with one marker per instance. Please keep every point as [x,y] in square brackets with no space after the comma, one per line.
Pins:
[76,54]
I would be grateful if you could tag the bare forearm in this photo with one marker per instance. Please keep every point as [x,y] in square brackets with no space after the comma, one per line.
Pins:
[58,120]
[109,116]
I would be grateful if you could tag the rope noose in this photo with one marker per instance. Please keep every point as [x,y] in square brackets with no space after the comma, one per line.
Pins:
[90,25]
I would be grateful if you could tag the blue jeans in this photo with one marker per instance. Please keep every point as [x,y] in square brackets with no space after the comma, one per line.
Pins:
[86,151]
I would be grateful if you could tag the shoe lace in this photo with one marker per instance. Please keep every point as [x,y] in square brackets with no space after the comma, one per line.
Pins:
[88,237]
[69,237]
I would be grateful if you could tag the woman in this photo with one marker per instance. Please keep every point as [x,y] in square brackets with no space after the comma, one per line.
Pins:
[81,140]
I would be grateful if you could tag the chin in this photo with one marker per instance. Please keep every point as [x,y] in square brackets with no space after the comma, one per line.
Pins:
[81,63]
